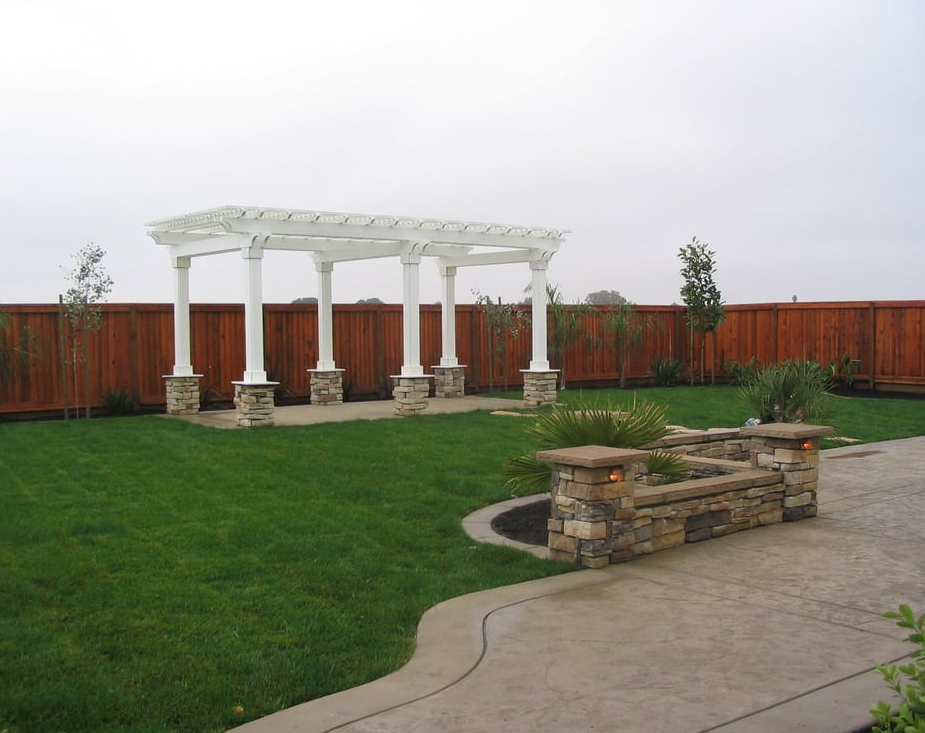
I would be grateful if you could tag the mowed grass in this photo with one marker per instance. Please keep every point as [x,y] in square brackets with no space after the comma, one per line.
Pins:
[156,575]
[862,419]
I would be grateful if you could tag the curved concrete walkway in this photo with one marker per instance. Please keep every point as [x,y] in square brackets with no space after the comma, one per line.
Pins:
[775,629]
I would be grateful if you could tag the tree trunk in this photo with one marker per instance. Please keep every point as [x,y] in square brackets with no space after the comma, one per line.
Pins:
[76,373]
[87,369]
[62,348]
[491,354]
[691,349]
[713,358]
[623,366]
[703,353]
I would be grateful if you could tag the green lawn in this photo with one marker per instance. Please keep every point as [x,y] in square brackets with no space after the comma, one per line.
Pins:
[154,574]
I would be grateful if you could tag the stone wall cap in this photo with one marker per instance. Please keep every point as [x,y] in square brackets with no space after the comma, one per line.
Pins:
[325,371]
[592,456]
[181,376]
[255,384]
[539,371]
[794,430]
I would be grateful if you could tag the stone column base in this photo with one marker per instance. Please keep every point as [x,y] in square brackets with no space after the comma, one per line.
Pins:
[792,449]
[450,381]
[593,504]
[410,393]
[254,403]
[539,387]
[182,394]
[327,386]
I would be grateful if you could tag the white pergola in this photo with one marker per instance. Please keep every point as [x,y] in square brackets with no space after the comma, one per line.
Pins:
[330,238]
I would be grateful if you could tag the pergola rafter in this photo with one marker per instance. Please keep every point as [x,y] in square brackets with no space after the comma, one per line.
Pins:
[330,238]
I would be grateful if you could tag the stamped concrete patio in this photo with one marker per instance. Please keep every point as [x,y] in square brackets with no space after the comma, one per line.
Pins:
[367,410]
[777,629]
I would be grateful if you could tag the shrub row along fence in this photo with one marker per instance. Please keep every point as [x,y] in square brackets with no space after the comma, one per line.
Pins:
[134,348]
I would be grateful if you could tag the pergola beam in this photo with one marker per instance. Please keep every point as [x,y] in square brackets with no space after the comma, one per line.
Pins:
[496,258]
[198,245]
[375,250]
[372,231]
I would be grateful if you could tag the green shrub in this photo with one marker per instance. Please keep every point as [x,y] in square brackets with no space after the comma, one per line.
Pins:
[742,373]
[842,372]
[789,391]
[666,372]
[909,715]
[119,401]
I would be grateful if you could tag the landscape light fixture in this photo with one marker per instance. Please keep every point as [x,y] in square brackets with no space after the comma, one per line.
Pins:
[616,474]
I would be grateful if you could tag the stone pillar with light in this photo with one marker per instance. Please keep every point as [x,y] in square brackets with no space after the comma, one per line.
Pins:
[792,449]
[592,504]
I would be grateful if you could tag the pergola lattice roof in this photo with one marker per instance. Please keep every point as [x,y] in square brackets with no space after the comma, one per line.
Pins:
[336,237]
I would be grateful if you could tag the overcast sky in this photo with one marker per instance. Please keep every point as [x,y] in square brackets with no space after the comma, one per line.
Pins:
[788,135]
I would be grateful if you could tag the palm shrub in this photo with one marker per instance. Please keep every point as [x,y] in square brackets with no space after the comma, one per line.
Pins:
[569,426]
[666,372]
[789,391]
[666,467]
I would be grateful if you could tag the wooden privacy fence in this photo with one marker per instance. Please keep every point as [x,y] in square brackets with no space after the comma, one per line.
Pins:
[134,347]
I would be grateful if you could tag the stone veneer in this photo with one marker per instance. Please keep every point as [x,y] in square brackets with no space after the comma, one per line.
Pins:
[539,387]
[255,404]
[600,515]
[724,443]
[410,394]
[182,394]
[592,504]
[450,381]
[793,450]
[327,386]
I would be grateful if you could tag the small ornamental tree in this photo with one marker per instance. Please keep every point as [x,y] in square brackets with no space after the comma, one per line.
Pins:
[504,321]
[15,352]
[566,326]
[89,284]
[627,328]
[705,309]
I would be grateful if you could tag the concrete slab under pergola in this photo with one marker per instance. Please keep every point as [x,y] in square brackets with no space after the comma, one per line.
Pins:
[330,238]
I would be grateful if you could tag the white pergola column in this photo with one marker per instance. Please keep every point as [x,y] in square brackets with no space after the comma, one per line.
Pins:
[448,313]
[325,317]
[182,384]
[411,316]
[540,360]
[254,372]
[183,364]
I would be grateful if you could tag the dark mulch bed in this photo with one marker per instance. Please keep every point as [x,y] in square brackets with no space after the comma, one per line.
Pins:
[526,523]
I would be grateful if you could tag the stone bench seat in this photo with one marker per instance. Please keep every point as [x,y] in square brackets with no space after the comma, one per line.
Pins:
[742,480]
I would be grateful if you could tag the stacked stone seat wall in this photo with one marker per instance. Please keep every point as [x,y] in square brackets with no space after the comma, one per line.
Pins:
[600,515]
